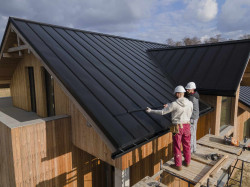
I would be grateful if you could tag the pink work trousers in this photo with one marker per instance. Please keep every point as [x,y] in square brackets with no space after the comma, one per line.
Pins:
[183,137]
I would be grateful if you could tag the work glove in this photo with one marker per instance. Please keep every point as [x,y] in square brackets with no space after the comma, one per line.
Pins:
[148,110]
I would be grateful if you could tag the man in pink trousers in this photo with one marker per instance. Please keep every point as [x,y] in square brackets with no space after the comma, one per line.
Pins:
[181,110]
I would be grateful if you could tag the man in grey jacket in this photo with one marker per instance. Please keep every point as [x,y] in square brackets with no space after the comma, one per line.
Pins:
[181,110]
[194,97]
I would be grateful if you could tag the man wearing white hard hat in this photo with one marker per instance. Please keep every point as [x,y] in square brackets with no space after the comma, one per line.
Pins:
[181,110]
[194,97]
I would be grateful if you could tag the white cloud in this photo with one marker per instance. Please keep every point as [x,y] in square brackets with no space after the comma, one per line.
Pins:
[152,20]
[201,10]
[82,13]
[234,15]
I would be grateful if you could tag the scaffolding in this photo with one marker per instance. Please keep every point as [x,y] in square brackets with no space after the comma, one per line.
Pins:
[203,171]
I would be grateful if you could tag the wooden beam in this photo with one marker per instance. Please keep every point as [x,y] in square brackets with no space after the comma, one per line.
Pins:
[4,81]
[19,48]
[234,113]
[227,131]
[5,40]
[218,115]
[9,55]
[244,107]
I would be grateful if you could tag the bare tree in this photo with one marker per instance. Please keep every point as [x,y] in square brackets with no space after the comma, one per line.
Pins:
[245,36]
[170,42]
[191,41]
[178,43]
[195,40]
[215,39]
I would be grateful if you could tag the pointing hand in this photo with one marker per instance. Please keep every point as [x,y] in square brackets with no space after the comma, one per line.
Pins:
[148,110]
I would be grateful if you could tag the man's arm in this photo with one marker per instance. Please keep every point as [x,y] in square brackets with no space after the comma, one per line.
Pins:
[164,111]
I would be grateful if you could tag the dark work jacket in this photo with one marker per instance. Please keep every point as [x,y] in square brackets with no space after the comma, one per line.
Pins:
[194,98]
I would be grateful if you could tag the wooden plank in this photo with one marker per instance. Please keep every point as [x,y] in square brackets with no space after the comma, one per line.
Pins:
[244,107]
[218,143]
[9,55]
[204,178]
[216,170]
[245,156]
[227,131]
[18,48]
[202,150]
[193,173]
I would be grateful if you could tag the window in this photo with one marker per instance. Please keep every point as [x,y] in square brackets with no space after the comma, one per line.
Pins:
[32,89]
[225,112]
[246,132]
[49,85]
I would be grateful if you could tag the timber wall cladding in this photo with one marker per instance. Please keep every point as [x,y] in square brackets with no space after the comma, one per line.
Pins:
[4,92]
[243,116]
[20,85]
[6,157]
[44,156]
[83,137]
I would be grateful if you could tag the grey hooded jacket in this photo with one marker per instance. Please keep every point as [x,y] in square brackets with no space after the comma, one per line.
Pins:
[194,98]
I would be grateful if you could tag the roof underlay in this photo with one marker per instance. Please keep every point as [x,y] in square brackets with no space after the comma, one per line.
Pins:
[217,69]
[110,77]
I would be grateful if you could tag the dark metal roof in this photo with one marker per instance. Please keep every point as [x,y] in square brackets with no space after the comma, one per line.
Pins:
[109,76]
[216,69]
[245,95]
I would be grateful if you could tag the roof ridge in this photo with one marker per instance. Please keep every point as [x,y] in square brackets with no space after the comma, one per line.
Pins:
[85,31]
[202,45]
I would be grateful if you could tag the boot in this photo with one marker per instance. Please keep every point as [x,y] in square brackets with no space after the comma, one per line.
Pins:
[185,164]
[179,168]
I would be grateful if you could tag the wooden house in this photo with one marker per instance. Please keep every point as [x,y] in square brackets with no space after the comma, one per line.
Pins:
[76,112]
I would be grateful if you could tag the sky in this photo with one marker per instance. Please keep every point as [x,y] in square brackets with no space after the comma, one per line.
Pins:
[150,20]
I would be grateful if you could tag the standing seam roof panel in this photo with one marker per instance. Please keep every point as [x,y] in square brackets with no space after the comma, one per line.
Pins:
[221,78]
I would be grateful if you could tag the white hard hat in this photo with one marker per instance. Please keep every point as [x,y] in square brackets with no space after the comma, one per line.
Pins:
[179,89]
[191,85]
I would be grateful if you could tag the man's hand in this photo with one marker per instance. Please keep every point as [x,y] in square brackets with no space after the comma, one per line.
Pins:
[165,106]
[148,110]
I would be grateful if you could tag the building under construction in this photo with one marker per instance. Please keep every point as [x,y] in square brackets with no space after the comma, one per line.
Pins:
[76,112]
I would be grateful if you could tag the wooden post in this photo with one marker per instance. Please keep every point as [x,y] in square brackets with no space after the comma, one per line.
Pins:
[218,115]
[234,113]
